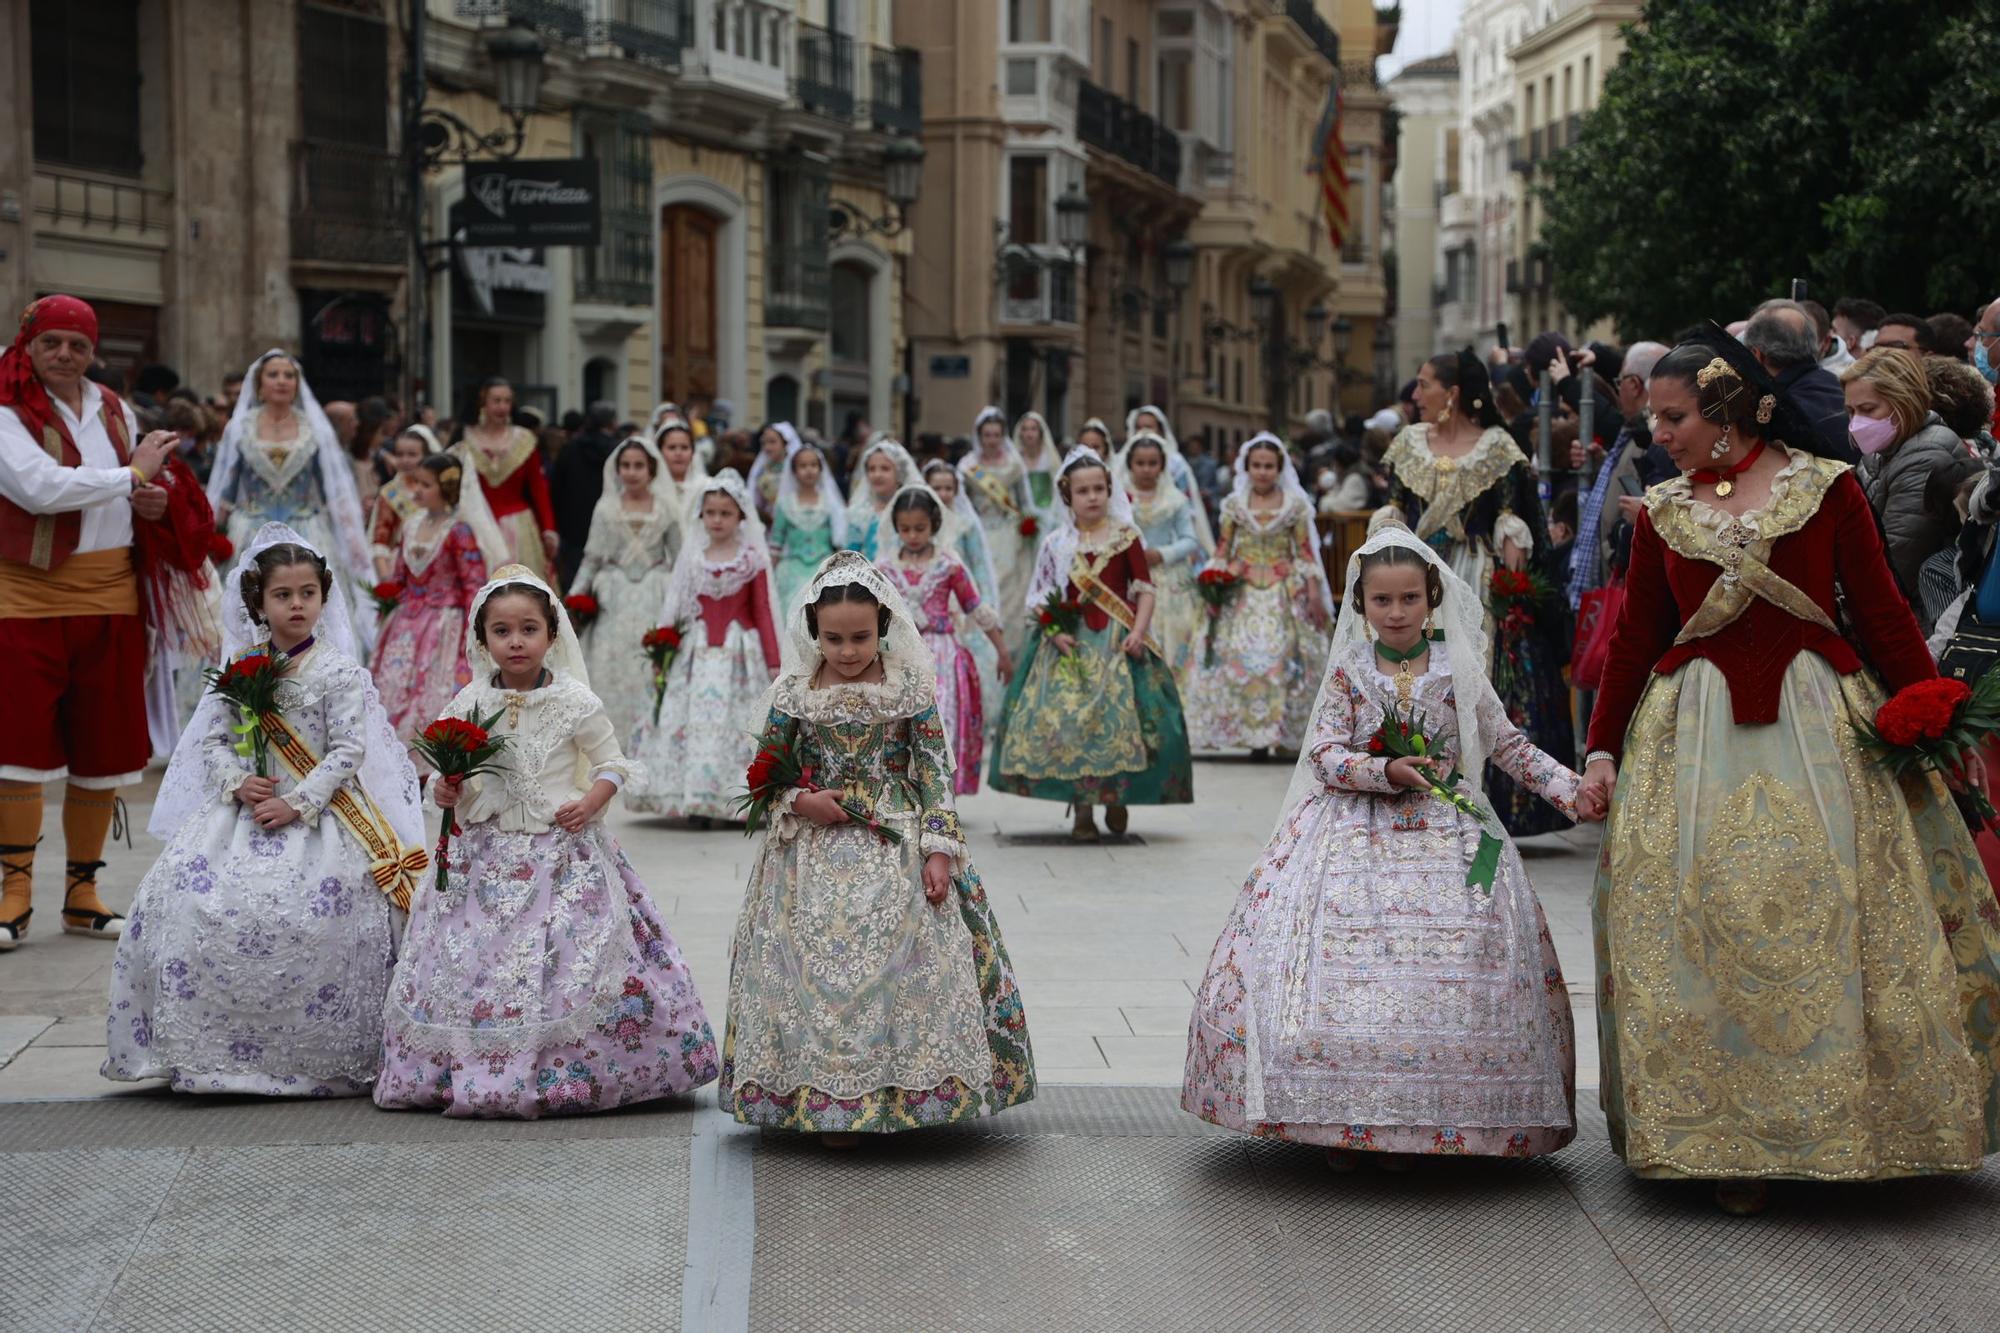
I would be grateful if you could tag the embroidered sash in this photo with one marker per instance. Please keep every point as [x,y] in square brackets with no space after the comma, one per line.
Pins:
[393,867]
[991,487]
[1083,573]
[1743,552]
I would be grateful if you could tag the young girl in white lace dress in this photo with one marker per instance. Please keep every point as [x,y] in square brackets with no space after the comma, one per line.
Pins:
[1367,993]
[720,600]
[539,980]
[260,943]
[635,533]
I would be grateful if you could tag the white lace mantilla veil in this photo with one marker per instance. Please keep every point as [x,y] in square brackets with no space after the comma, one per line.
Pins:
[830,498]
[386,772]
[1058,551]
[1008,449]
[759,464]
[1462,617]
[961,521]
[565,654]
[861,503]
[799,650]
[1204,533]
[1164,488]
[1288,482]
[336,477]
[1051,448]
[690,580]
[697,471]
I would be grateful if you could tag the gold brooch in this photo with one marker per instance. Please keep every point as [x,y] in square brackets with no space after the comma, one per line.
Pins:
[1765,407]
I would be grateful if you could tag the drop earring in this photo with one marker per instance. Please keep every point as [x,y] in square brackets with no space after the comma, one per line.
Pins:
[1721,447]
[1444,413]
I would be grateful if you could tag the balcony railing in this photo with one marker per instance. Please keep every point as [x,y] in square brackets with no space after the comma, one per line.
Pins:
[563,20]
[1517,155]
[91,205]
[1039,290]
[1109,122]
[798,287]
[825,74]
[653,31]
[1317,30]
[348,204]
[896,90]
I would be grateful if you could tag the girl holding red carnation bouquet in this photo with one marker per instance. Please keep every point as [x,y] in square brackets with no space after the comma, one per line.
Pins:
[1093,717]
[1386,985]
[995,478]
[442,556]
[635,533]
[538,979]
[869,990]
[1799,950]
[1270,637]
[394,504]
[260,943]
[720,600]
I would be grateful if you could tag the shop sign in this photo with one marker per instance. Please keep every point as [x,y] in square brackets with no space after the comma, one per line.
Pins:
[544,201]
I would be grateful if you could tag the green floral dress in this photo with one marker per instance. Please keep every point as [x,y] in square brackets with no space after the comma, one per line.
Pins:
[855,1005]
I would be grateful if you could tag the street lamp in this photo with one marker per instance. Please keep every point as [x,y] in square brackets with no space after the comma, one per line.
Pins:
[1073,220]
[1263,302]
[517,55]
[1180,266]
[1315,323]
[1343,339]
[902,174]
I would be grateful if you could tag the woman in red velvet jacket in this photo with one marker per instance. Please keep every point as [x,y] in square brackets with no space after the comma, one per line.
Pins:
[1796,951]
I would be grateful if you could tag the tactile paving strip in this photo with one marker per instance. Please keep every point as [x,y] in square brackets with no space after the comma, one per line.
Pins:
[416,1238]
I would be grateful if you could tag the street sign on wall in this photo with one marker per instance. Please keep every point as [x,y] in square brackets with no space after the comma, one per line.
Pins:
[540,202]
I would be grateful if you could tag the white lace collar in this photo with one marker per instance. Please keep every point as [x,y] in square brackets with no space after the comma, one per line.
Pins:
[906,689]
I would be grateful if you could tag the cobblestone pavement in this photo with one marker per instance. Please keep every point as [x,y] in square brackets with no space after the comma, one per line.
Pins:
[1099,1206]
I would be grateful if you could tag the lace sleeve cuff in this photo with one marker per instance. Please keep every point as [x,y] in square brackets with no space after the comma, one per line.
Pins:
[308,808]
[985,617]
[938,831]
[1137,586]
[1510,527]
[619,772]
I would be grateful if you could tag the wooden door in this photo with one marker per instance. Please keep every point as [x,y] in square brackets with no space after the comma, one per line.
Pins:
[688,239]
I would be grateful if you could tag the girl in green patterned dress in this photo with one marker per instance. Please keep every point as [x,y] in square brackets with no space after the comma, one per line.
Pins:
[869,991]
[1093,717]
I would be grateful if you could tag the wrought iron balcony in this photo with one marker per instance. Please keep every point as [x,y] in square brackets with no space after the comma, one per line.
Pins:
[561,20]
[798,287]
[896,90]
[653,31]
[825,75]
[348,204]
[1107,121]
[1317,30]
[1517,154]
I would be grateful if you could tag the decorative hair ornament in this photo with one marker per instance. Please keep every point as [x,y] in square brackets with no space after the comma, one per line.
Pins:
[1710,372]
[1766,406]
[452,473]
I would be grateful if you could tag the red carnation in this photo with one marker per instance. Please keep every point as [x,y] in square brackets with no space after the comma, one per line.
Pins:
[1029,527]
[1376,745]
[220,548]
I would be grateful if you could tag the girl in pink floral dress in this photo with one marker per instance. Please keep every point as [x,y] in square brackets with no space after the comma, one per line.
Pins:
[441,562]
[930,577]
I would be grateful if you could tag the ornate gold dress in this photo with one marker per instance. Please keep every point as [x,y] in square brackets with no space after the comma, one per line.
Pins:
[1797,971]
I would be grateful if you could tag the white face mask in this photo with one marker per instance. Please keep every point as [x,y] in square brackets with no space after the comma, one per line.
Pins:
[1872,434]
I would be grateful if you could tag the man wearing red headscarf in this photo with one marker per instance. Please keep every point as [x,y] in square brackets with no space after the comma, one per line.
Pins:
[84,516]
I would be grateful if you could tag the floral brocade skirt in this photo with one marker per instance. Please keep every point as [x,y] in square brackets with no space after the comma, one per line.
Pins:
[961,707]
[1799,953]
[1094,728]
[1268,663]
[857,1007]
[419,665]
[541,982]
[707,733]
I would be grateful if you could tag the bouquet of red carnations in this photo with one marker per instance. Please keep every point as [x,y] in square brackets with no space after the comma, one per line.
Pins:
[661,643]
[1060,615]
[387,595]
[458,749]
[778,769]
[582,608]
[1401,736]
[1937,726]
[251,683]
[1218,588]
[1030,527]
[1514,595]
[220,549]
